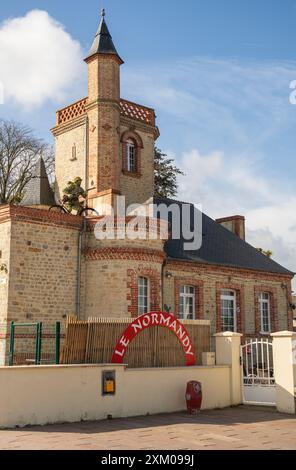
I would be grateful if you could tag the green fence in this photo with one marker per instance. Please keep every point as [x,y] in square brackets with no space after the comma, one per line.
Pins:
[34,343]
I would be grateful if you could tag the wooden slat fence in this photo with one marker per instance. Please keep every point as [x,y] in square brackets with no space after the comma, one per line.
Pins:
[93,342]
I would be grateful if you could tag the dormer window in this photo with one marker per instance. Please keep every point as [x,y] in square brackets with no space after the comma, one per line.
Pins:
[131,164]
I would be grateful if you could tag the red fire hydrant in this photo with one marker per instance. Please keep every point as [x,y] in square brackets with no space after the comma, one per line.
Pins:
[194,397]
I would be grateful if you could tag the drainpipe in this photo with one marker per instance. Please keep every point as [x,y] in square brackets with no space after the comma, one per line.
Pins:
[78,278]
[162,282]
[86,153]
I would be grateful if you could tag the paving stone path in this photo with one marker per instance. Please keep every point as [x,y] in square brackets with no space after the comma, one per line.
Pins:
[233,428]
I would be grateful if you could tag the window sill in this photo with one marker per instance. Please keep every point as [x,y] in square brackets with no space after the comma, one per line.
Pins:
[131,174]
[263,333]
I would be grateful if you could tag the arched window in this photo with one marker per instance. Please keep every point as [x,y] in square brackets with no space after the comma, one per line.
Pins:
[131,159]
[132,145]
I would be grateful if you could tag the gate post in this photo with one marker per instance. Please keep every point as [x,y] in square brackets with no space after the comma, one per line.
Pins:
[228,353]
[284,361]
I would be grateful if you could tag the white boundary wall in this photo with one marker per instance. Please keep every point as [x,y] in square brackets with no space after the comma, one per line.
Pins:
[32,395]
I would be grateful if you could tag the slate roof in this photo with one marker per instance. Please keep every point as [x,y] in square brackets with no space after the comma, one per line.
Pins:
[220,247]
[38,190]
[103,43]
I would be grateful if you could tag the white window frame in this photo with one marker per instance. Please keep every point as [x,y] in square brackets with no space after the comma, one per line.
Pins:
[141,306]
[183,302]
[263,301]
[229,297]
[131,156]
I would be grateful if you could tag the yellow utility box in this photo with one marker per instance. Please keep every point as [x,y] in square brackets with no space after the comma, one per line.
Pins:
[108,382]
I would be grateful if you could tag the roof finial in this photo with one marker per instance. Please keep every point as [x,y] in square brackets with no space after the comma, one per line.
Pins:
[103,12]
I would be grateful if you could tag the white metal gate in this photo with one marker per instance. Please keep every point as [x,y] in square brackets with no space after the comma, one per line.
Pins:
[258,383]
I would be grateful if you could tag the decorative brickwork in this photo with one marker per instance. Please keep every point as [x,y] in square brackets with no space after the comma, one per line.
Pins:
[240,305]
[124,254]
[137,112]
[128,109]
[154,289]
[199,303]
[39,216]
[203,268]
[273,308]
[71,112]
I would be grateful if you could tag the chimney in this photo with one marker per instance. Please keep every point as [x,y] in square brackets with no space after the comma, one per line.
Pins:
[235,224]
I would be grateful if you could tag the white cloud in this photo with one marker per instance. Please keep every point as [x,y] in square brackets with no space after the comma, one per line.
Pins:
[40,60]
[225,186]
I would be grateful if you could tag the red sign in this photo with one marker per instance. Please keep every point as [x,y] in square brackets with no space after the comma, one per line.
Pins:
[149,320]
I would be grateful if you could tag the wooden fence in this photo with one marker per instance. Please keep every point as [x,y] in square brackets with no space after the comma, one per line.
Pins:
[93,342]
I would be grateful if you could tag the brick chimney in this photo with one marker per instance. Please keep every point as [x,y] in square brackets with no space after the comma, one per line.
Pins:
[235,223]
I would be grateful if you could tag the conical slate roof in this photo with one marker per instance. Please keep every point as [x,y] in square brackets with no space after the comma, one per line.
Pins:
[38,190]
[103,43]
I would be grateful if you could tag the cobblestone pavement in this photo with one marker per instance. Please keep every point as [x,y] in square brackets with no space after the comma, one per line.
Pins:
[233,428]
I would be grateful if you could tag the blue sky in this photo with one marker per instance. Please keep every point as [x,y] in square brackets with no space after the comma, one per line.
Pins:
[216,71]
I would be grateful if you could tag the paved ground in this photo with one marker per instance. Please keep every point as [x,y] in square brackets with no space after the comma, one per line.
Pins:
[233,428]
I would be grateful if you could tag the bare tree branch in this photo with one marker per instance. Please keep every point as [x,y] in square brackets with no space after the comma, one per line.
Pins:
[19,153]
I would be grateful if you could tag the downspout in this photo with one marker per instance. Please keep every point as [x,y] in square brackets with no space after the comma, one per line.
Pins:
[162,282]
[78,279]
[83,229]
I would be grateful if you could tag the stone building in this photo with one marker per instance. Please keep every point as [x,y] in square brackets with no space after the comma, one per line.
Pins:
[55,266]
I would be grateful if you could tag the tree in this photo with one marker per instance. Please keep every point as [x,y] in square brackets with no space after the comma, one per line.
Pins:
[74,195]
[165,175]
[19,152]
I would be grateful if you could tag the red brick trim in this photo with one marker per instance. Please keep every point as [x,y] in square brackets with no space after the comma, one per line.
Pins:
[39,216]
[273,308]
[132,289]
[199,296]
[131,174]
[127,135]
[137,254]
[130,135]
[204,268]
[290,311]
[240,304]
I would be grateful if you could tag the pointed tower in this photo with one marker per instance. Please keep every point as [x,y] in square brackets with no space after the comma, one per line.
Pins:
[103,110]
[104,139]
[38,190]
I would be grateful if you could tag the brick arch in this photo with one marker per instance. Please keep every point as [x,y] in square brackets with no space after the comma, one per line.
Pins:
[131,135]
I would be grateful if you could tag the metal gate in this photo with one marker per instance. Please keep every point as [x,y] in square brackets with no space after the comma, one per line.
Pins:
[258,383]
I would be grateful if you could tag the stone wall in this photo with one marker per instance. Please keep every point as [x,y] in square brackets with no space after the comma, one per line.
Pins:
[66,167]
[43,272]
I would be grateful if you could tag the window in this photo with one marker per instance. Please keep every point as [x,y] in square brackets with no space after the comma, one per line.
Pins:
[143,295]
[187,303]
[131,165]
[264,302]
[228,310]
